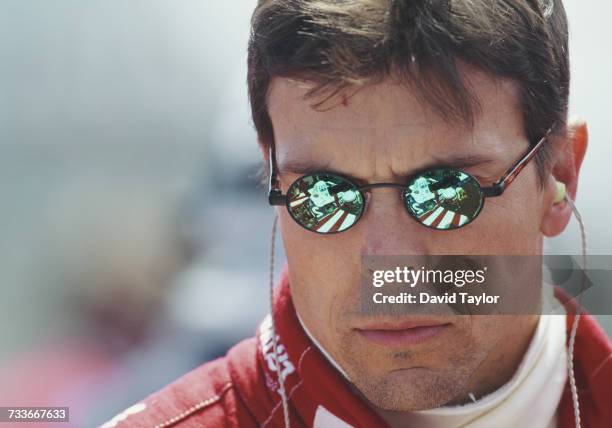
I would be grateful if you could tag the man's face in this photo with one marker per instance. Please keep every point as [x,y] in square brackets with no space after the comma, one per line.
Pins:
[383,133]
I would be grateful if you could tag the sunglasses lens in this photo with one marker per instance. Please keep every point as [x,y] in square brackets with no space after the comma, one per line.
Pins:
[324,203]
[444,198]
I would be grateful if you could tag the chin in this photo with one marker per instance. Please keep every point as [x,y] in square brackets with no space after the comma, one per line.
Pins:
[408,389]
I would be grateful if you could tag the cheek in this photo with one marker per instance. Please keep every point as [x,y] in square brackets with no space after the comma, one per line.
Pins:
[500,338]
[323,271]
[485,330]
[508,224]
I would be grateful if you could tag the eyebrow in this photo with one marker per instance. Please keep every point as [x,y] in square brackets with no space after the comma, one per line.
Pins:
[460,161]
[303,166]
[306,166]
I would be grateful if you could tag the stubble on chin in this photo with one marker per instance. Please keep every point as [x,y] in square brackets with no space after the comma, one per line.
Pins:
[391,382]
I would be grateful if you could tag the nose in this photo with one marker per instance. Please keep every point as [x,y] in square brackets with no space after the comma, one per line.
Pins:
[387,228]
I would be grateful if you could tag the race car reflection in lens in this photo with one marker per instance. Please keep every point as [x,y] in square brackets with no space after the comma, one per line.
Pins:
[440,199]
[324,203]
[444,198]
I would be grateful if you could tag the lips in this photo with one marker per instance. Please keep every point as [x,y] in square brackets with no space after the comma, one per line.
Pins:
[403,333]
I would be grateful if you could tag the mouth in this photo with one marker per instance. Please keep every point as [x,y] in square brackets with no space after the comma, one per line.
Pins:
[403,333]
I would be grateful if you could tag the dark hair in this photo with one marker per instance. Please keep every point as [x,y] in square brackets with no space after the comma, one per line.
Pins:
[340,43]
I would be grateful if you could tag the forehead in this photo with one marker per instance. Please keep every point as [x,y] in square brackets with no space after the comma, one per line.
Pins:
[389,126]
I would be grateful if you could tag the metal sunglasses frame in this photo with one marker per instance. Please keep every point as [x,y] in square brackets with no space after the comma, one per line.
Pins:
[277,198]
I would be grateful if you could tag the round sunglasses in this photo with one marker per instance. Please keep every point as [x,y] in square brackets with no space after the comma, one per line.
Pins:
[441,198]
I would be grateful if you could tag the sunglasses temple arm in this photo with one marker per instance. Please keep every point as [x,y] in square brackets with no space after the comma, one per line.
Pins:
[498,188]
[275,196]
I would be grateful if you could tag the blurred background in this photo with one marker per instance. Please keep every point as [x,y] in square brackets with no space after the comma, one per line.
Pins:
[134,234]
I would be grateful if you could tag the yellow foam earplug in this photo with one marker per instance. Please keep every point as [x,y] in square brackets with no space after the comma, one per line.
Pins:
[560,195]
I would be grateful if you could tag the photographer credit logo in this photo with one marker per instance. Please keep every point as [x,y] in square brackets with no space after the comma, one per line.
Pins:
[411,278]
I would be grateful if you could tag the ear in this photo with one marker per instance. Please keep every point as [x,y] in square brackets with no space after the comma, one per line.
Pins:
[568,155]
